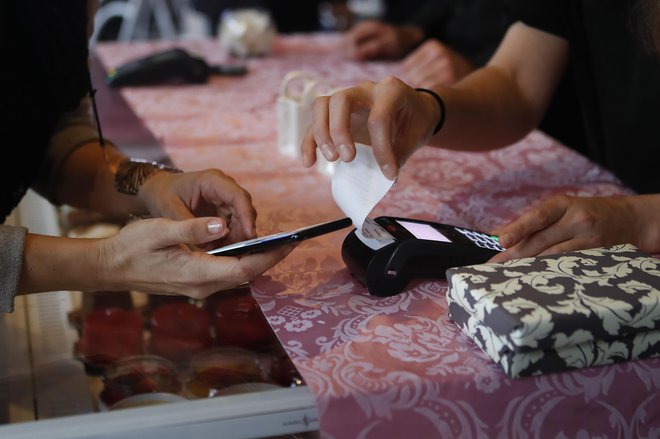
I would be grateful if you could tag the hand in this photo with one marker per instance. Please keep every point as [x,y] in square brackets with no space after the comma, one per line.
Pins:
[204,193]
[565,223]
[390,116]
[433,64]
[374,39]
[153,256]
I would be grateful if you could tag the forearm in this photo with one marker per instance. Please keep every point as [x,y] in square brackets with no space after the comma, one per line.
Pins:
[54,263]
[487,99]
[500,103]
[87,181]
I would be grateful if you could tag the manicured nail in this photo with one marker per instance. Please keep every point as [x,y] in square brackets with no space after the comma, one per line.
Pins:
[327,152]
[388,172]
[344,152]
[214,227]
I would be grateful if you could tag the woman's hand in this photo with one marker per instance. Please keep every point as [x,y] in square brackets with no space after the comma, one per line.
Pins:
[204,193]
[565,223]
[154,256]
[390,116]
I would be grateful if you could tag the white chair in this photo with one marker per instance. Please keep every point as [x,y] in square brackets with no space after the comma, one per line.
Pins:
[136,18]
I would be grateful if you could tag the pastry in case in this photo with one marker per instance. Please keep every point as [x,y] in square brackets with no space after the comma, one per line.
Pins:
[139,375]
[240,322]
[218,369]
[110,334]
[179,330]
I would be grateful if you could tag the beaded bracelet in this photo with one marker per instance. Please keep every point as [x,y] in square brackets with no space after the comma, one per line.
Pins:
[441,104]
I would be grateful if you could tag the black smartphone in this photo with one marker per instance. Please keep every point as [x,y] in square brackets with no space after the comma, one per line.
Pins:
[267,242]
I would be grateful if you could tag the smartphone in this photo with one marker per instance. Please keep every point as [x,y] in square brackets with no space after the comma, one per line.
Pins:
[267,242]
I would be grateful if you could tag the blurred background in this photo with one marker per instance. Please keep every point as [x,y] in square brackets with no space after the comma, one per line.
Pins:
[126,20]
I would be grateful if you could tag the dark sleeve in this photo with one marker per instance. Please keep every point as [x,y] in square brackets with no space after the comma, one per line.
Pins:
[473,28]
[12,240]
[431,15]
[547,15]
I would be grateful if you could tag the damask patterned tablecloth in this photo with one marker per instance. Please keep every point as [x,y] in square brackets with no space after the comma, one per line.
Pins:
[389,367]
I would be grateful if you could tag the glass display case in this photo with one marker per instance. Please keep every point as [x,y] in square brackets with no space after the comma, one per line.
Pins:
[119,364]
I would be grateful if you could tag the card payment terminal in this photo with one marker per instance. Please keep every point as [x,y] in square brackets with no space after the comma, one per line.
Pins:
[394,251]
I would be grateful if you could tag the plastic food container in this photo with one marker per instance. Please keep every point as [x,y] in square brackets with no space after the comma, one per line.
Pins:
[281,369]
[139,375]
[147,399]
[240,322]
[179,330]
[110,334]
[213,371]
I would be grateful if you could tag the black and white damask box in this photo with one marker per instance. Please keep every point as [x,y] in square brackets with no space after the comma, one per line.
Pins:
[551,313]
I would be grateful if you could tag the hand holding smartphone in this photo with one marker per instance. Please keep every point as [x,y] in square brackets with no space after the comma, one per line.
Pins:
[267,242]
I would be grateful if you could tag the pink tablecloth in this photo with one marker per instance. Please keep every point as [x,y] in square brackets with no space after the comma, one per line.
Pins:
[393,367]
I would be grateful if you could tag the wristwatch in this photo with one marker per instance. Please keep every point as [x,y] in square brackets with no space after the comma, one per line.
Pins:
[132,173]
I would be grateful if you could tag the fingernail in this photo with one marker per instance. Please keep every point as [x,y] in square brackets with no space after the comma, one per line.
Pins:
[344,152]
[214,227]
[504,240]
[327,153]
[388,172]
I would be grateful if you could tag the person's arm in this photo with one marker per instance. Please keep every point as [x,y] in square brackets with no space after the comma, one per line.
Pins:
[149,256]
[505,100]
[564,223]
[88,181]
[79,172]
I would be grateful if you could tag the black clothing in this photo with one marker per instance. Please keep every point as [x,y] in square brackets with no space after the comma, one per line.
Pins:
[44,49]
[616,79]
[473,28]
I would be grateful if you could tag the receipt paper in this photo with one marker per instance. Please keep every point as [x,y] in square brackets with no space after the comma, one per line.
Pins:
[357,187]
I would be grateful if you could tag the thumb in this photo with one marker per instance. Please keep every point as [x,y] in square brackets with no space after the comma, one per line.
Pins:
[192,231]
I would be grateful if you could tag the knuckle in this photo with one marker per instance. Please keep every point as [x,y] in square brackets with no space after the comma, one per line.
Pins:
[240,274]
[247,195]
[559,200]
[435,47]
[187,229]
[585,220]
[340,99]
[375,121]
[241,192]
[366,84]
[320,103]
[391,81]
[542,215]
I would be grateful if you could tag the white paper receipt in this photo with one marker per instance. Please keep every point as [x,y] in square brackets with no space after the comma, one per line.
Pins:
[357,187]
[373,235]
